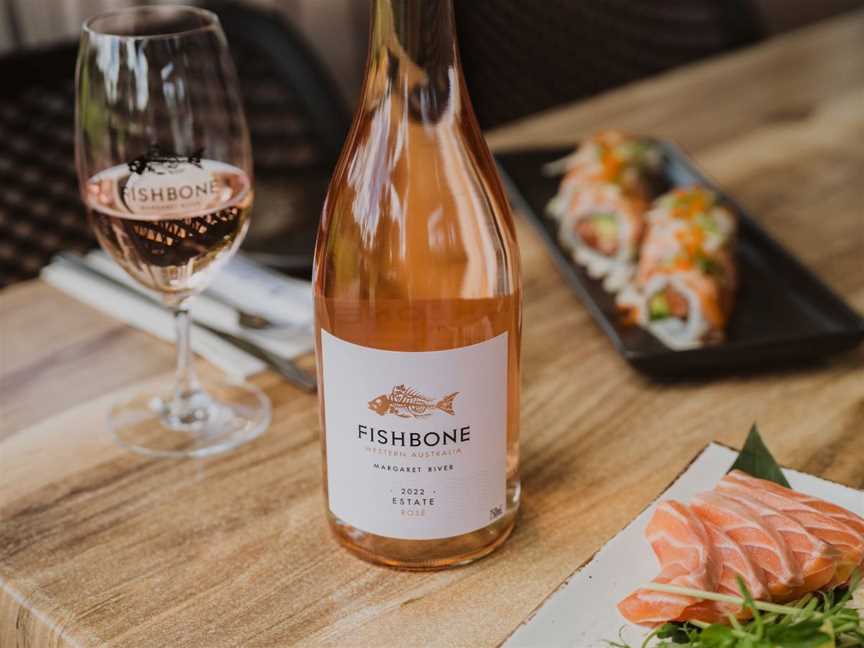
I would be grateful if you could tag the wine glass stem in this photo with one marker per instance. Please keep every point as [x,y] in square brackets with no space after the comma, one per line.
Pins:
[189,404]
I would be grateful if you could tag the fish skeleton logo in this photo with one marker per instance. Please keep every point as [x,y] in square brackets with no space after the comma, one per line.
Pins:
[407,402]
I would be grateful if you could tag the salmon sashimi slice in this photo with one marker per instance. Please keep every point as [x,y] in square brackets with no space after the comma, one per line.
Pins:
[705,611]
[687,558]
[837,533]
[831,510]
[760,541]
[815,559]
[735,564]
[650,608]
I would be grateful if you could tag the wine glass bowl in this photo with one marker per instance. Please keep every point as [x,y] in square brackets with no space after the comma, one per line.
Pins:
[165,171]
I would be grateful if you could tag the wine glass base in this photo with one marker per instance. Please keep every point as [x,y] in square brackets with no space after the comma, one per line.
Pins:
[226,415]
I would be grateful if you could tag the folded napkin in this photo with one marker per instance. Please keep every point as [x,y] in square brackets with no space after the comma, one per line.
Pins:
[242,283]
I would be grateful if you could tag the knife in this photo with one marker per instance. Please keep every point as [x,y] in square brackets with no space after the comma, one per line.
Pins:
[285,367]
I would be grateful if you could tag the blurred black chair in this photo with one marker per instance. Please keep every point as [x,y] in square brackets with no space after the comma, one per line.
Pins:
[296,117]
[298,122]
[40,211]
[522,57]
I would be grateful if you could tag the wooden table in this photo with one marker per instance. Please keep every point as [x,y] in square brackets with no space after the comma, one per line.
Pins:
[102,547]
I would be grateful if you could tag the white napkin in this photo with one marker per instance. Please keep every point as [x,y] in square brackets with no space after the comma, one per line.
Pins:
[247,285]
[251,287]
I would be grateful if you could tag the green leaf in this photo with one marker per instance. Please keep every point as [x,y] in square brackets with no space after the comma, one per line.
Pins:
[805,634]
[756,460]
[668,630]
[673,631]
[717,636]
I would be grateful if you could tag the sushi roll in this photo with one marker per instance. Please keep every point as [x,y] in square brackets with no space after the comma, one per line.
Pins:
[601,203]
[684,288]
[607,157]
[695,208]
[603,228]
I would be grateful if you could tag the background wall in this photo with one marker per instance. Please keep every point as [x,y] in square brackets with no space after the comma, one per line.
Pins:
[783,15]
[336,28]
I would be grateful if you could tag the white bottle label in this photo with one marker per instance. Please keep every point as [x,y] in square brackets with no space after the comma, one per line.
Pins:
[416,441]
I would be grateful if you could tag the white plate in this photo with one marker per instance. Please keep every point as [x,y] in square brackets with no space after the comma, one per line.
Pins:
[582,612]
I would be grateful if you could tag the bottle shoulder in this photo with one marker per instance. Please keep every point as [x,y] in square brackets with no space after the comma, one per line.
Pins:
[419,205]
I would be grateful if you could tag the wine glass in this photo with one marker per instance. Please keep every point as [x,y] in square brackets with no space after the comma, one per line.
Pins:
[165,171]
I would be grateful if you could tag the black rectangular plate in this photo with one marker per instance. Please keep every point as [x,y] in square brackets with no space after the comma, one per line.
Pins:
[783,314]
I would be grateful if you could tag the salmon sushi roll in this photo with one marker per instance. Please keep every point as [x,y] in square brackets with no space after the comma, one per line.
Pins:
[601,203]
[698,209]
[611,156]
[603,228]
[684,288]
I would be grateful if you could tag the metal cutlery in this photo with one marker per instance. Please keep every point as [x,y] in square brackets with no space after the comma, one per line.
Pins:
[286,367]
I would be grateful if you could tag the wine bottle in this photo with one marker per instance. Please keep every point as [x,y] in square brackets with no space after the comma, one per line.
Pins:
[418,312]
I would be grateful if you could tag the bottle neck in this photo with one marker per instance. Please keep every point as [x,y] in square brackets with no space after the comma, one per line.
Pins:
[413,53]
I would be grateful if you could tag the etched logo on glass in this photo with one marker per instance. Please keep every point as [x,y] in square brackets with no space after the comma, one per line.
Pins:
[162,182]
